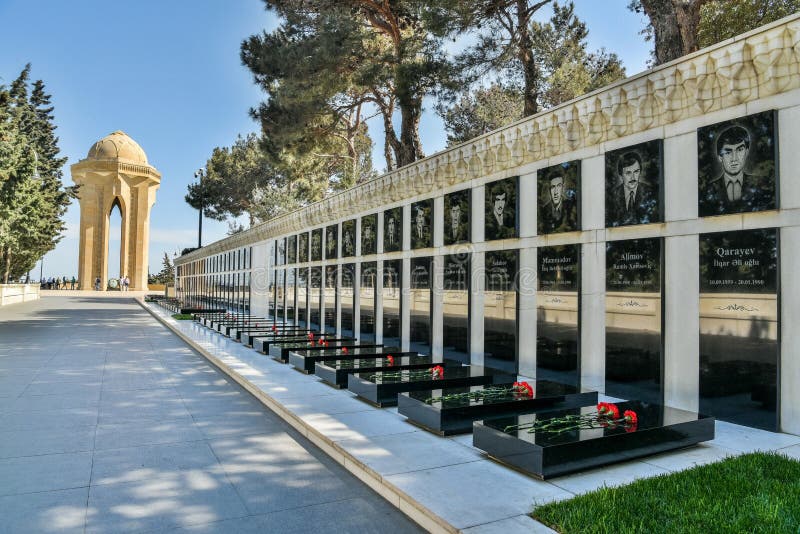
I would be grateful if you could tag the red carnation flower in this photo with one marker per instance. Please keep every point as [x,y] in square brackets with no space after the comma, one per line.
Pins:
[274,328]
[523,388]
[630,417]
[390,359]
[344,350]
[437,372]
[602,408]
[613,411]
[311,335]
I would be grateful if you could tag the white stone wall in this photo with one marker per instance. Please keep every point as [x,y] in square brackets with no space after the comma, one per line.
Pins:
[668,103]
[15,293]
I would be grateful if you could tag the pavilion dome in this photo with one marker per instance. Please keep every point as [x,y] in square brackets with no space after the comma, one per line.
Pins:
[118,145]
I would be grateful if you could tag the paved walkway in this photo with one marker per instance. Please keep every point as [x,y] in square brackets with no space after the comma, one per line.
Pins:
[110,423]
[442,482]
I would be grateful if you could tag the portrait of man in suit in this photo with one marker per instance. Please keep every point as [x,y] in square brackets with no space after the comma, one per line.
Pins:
[736,165]
[632,185]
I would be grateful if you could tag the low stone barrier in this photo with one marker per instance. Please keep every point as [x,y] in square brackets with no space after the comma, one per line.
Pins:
[14,293]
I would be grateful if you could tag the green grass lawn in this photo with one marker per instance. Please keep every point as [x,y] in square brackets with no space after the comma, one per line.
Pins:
[182,316]
[751,493]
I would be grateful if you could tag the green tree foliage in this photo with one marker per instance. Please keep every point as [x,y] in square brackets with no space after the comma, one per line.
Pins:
[167,273]
[545,62]
[566,71]
[720,20]
[481,111]
[33,199]
[242,180]
[341,55]
[504,42]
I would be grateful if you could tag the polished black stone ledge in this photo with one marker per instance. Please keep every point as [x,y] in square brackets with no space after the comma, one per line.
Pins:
[304,360]
[280,351]
[335,372]
[455,416]
[381,390]
[546,455]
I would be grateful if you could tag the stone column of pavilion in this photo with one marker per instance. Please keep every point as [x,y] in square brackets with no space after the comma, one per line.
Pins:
[115,172]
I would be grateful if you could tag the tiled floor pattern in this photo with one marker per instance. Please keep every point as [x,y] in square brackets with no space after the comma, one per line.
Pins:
[447,475]
[110,423]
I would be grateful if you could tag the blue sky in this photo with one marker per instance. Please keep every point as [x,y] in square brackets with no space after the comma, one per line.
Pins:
[168,74]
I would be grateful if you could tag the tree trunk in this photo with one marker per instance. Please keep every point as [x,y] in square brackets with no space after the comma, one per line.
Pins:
[675,24]
[6,264]
[530,70]
[410,145]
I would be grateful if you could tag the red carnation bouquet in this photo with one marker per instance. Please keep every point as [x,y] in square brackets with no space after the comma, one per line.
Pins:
[523,389]
[390,360]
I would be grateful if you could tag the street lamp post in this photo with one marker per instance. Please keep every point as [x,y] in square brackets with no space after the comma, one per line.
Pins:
[199,175]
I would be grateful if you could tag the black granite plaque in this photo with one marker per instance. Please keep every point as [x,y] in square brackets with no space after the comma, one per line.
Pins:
[456,295]
[281,249]
[291,296]
[315,297]
[420,303]
[737,165]
[366,300]
[634,184]
[634,311]
[291,249]
[500,311]
[501,209]
[330,299]
[393,229]
[346,292]
[558,314]
[739,326]
[302,247]
[316,244]
[422,224]
[349,238]
[331,234]
[302,296]
[559,202]
[392,288]
[369,234]
[457,217]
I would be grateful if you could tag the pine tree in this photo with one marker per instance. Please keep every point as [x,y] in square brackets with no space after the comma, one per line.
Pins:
[33,199]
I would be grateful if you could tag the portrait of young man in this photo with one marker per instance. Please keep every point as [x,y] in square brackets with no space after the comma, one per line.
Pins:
[736,166]
[421,228]
[393,229]
[558,198]
[456,217]
[500,219]
[633,184]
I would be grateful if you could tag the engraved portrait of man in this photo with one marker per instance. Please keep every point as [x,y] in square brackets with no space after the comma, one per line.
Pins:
[499,208]
[737,166]
[633,177]
[455,220]
[392,230]
[420,222]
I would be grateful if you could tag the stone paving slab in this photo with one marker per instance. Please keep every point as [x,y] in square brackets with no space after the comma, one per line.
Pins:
[443,483]
[111,423]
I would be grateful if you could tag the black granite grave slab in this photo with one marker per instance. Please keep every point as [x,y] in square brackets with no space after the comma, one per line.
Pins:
[335,372]
[547,454]
[261,326]
[381,388]
[239,333]
[304,360]
[280,351]
[455,415]
[263,343]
